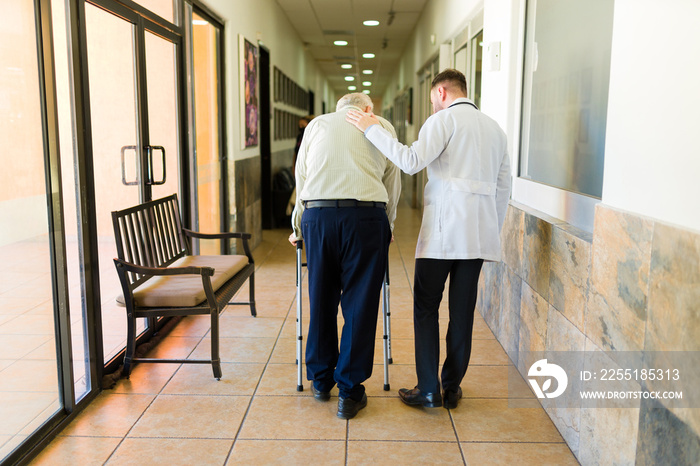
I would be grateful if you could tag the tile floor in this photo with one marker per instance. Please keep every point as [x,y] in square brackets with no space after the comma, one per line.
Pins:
[180,414]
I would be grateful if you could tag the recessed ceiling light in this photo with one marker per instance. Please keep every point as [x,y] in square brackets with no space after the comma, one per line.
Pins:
[352,88]
[366,83]
[349,78]
[340,42]
[367,55]
[371,22]
[346,66]
[366,91]
[367,71]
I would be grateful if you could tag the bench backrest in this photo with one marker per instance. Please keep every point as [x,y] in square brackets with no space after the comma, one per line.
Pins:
[150,235]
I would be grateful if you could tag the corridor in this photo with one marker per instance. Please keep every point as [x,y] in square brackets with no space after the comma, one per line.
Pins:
[180,414]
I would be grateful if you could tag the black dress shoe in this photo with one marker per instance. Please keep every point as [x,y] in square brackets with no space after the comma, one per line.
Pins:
[451,398]
[319,395]
[348,408]
[415,397]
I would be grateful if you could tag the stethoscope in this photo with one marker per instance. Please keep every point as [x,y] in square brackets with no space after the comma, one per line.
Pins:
[464,103]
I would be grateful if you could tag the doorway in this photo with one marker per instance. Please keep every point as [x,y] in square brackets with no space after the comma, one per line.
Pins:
[265,144]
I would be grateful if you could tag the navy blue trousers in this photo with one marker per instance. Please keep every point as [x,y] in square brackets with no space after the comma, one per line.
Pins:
[429,284]
[346,254]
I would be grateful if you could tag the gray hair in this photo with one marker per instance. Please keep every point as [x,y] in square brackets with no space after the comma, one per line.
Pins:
[355,99]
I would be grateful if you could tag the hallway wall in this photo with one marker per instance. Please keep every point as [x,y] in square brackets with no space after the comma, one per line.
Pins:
[632,282]
[264,21]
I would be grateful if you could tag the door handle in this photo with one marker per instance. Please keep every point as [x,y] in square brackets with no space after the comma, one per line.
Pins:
[149,151]
[124,181]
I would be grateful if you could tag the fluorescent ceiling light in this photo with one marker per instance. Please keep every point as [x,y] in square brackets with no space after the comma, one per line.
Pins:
[367,71]
[371,22]
[199,22]
[366,83]
[346,66]
[340,42]
[366,91]
[352,88]
[367,55]
[349,78]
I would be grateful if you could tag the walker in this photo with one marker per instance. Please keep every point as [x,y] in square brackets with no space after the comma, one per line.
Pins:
[386,322]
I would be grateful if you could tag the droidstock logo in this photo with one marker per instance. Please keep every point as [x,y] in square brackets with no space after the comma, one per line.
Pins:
[541,369]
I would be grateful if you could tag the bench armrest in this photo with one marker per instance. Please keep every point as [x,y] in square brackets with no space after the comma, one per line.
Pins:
[224,235]
[141,270]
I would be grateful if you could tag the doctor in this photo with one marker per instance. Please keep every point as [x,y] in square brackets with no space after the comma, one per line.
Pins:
[466,198]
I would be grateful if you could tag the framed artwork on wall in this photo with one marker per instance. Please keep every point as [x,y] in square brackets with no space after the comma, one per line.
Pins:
[248,92]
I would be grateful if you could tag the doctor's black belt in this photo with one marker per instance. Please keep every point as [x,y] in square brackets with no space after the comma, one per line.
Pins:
[342,203]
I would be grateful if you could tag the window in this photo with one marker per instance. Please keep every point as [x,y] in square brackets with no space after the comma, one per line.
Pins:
[565,94]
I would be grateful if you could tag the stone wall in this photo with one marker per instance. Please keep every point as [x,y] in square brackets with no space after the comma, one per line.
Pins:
[633,285]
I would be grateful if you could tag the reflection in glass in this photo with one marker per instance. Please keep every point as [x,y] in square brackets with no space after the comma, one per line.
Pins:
[565,93]
[205,37]
[29,378]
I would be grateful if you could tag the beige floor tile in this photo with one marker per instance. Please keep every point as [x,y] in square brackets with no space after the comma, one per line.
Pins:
[196,379]
[292,418]
[237,349]
[281,379]
[400,376]
[18,409]
[285,351]
[288,452]
[174,347]
[146,378]
[402,351]
[77,450]
[488,353]
[539,454]
[171,452]
[494,382]
[390,419]
[30,376]
[491,420]
[192,326]
[109,415]
[250,327]
[192,416]
[17,346]
[28,325]
[393,453]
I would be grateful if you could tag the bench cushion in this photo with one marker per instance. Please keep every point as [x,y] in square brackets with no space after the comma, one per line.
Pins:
[186,290]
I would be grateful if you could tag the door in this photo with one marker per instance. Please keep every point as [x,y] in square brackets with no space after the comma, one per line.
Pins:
[134,117]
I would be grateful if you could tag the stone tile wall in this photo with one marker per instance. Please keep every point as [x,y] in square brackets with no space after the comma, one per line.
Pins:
[248,200]
[633,285]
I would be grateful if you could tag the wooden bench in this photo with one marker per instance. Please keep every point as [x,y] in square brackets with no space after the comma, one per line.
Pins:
[159,276]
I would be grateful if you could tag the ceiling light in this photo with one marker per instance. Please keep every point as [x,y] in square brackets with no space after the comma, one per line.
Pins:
[367,55]
[199,22]
[366,91]
[371,22]
[366,83]
[349,78]
[346,66]
[340,42]
[352,88]
[367,71]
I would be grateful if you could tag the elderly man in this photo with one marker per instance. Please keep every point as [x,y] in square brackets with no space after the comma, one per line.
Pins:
[466,198]
[347,193]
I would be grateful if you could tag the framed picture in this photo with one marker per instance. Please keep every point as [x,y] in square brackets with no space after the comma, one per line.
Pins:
[249,92]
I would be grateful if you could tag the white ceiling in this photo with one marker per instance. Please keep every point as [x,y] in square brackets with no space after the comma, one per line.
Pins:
[320,22]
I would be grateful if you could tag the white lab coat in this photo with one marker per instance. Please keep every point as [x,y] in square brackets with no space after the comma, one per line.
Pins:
[469,181]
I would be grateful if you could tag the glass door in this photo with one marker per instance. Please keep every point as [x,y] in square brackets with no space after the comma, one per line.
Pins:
[134,117]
